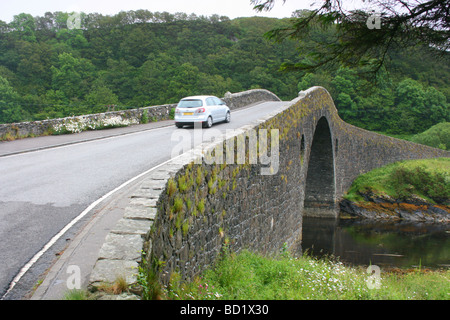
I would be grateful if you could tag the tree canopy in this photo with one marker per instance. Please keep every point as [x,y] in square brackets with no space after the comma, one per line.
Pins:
[366,35]
[139,58]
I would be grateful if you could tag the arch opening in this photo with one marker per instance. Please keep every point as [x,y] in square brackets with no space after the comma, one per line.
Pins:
[320,189]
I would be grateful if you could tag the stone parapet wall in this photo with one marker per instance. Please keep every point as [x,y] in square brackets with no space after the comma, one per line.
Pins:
[191,208]
[206,206]
[247,98]
[127,117]
[187,209]
[362,151]
[46,127]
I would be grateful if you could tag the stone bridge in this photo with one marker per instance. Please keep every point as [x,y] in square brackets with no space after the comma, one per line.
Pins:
[190,207]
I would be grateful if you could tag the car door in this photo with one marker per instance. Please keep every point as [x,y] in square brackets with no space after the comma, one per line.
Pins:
[213,108]
[221,108]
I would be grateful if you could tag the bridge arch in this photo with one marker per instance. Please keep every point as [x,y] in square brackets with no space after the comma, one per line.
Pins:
[320,185]
[238,206]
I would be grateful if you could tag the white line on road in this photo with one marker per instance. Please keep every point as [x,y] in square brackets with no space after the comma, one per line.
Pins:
[52,241]
[74,143]
[69,144]
[72,223]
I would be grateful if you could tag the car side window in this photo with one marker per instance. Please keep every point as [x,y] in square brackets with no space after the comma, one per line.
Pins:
[210,102]
[218,101]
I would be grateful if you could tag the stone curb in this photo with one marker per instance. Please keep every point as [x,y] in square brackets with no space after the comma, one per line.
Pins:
[121,253]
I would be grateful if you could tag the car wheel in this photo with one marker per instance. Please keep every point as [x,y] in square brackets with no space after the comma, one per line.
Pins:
[179,125]
[228,117]
[209,122]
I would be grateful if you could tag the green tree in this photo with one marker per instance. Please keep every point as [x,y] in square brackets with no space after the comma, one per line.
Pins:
[72,38]
[437,106]
[55,106]
[10,110]
[24,26]
[72,76]
[410,106]
[153,78]
[33,67]
[122,79]
[306,82]
[359,38]
[139,58]
[184,82]
[137,45]
[99,98]
[345,85]
[216,84]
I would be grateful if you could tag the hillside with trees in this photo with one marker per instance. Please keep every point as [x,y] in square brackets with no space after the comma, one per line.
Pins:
[139,58]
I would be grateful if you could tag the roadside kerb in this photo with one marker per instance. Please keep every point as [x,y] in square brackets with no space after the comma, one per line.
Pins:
[122,249]
[122,252]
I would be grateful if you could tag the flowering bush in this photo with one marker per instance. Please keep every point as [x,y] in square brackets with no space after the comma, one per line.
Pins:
[79,124]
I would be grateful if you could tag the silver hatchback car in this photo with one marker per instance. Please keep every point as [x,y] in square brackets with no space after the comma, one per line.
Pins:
[204,109]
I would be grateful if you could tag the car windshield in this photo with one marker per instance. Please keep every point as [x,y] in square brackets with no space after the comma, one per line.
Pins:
[190,103]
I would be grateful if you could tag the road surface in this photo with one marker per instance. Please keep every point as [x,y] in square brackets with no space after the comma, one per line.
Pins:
[44,190]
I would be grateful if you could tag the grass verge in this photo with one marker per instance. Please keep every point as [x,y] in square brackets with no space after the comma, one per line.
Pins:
[251,276]
[427,178]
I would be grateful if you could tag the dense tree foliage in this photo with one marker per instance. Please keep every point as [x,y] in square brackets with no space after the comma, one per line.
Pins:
[365,34]
[402,106]
[138,58]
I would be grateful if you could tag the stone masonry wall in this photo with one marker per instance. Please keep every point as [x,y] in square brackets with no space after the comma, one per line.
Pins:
[121,253]
[38,128]
[188,209]
[361,151]
[212,205]
[132,116]
[247,98]
[208,205]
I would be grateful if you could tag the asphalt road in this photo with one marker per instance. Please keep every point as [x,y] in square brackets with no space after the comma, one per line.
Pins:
[44,190]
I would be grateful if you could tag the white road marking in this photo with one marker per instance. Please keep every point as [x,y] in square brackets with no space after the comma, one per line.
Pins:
[52,241]
[72,223]
[70,144]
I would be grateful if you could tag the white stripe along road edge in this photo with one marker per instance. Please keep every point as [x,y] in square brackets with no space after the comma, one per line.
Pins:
[72,143]
[72,223]
[52,241]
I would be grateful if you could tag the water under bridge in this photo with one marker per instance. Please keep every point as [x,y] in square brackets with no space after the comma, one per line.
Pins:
[182,210]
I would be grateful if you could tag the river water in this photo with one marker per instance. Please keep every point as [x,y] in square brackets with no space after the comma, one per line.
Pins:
[386,244]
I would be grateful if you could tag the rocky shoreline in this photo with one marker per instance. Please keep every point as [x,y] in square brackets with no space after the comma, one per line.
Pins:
[385,207]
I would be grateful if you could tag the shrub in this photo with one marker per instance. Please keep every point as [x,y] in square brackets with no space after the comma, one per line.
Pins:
[438,136]
[144,118]
[171,187]
[427,178]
